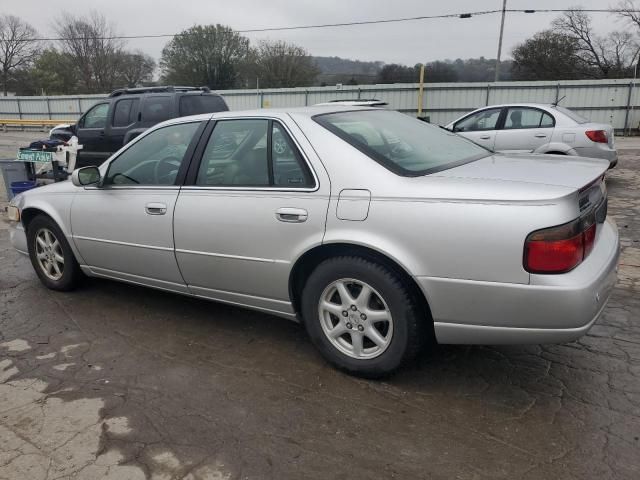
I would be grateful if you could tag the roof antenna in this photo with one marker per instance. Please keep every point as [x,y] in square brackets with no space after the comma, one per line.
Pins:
[555,104]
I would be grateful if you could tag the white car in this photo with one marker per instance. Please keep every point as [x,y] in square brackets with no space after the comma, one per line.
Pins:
[537,128]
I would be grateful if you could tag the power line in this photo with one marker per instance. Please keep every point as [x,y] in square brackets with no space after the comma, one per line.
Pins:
[348,24]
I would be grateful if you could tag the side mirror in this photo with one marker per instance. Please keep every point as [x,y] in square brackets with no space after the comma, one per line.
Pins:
[73,128]
[85,176]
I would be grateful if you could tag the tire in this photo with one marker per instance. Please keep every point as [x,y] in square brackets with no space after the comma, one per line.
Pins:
[335,325]
[45,239]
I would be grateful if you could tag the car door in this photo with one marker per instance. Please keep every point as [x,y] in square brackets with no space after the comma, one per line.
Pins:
[90,131]
[124,116]
[524,129]
[480,126]
[254,204]
[123,228]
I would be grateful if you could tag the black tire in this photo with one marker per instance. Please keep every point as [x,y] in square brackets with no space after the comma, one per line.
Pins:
[70,270]
[408,324]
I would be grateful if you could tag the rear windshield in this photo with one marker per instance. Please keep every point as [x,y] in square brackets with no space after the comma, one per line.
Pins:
[572,115]
[403,144]
[196,104]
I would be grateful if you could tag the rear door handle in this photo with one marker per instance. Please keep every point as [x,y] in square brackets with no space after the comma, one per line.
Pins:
[155,208]
[292,215]
[541,135]
[485,137]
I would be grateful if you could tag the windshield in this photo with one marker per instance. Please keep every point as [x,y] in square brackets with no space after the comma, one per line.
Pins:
[572,115]
[403,144]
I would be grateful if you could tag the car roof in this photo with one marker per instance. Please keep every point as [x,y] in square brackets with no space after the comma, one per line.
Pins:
[271,112]
[520,104]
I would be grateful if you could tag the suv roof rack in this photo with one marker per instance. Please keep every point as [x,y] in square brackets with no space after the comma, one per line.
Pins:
[159,89]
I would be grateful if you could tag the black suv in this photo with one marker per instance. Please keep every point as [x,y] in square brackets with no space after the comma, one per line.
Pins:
[126,113]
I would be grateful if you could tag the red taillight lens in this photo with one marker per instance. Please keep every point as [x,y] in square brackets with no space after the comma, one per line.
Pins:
[598,136]
[589,239]
[556,256]
[560,249]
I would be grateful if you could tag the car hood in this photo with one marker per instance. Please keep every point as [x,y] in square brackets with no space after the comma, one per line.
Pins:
[556,170]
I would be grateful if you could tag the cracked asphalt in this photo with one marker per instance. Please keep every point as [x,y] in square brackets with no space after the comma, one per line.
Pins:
[120,382]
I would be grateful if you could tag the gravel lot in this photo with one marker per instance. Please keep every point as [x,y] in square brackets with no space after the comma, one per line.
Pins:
[115,381]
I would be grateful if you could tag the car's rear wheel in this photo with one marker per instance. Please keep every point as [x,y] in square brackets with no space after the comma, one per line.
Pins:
[361,316]
[51,255]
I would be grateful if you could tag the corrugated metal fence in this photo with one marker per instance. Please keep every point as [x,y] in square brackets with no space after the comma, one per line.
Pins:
[609,101]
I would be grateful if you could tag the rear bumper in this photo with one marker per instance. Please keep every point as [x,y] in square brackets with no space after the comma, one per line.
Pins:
[550,309]
[599,150]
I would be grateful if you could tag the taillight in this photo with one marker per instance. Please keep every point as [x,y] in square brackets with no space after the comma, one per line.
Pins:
[598,136]
[560,249]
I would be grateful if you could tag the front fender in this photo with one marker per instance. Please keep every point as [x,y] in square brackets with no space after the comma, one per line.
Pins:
[57,207]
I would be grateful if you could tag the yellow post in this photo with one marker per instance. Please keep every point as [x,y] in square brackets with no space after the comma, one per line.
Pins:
[421,91]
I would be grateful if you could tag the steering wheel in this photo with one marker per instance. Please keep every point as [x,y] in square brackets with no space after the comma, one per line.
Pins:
[170,164]
[126,177]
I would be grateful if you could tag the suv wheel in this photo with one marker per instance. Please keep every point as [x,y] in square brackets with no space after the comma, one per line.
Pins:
[361,316]
[51,255]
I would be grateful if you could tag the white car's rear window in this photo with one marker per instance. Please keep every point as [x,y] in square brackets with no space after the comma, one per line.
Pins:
[572,115]
[403,144]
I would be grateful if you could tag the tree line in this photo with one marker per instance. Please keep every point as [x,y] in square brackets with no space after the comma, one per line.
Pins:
[88,57]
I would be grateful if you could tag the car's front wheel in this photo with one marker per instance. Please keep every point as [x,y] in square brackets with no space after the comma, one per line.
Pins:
[51,255]
[361,316]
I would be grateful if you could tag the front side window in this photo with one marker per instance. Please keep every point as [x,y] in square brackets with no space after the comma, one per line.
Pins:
[96,117]
[484,120]
[402,144]
[252,153]
[155,159]
[521,117]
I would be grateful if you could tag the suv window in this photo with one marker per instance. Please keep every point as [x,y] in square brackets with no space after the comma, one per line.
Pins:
[125,112]
[96,117]
[522,117]
[155,159]
[483,120]
[195,104]
[247,153]
[156,108]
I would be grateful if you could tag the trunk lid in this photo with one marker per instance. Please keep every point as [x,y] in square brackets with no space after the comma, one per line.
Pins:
[557,170]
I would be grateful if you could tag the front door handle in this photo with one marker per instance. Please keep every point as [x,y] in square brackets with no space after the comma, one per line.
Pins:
[292,215]
[485,137]
[541,135]
[155,208]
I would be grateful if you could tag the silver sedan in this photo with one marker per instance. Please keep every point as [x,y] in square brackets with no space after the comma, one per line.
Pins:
[379,232]
[537,128]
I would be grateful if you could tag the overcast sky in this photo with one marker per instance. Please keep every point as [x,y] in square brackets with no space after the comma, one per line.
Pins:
[407,42]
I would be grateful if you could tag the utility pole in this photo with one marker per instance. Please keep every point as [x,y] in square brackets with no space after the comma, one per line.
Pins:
[504,11]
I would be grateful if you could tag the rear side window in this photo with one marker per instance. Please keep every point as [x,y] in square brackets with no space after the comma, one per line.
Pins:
[125,112]
[252,153]
[196,104]
[572,115]
[521,117]
[156,108]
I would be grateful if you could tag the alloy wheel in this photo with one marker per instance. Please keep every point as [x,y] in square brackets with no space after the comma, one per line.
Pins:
[355,318]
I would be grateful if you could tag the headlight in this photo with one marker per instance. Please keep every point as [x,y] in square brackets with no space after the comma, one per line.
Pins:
[13,213]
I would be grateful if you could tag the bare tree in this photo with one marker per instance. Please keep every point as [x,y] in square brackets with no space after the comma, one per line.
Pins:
[136,68]
[281,64]
[17,46]
[609,56]
[97,55]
